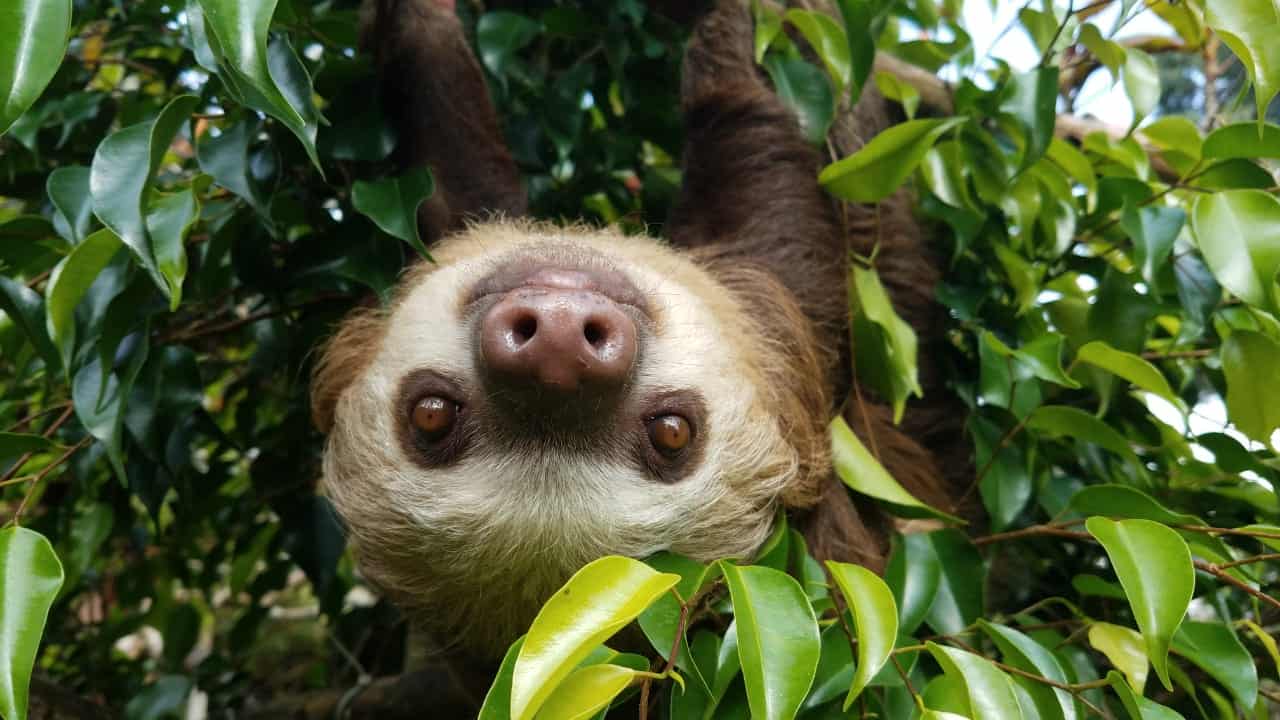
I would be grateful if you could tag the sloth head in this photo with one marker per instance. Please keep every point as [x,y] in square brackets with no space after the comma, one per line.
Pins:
[539,397]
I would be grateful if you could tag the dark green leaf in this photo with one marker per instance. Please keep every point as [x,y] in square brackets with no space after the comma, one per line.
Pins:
[393,203]
[807,91]
[30,576]
[31,50]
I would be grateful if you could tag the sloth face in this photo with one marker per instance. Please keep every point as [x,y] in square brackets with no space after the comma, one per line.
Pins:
[538,398]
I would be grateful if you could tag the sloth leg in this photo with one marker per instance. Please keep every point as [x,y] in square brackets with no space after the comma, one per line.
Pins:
[434,93]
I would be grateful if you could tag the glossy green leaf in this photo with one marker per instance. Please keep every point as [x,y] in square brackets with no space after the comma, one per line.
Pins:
[827,39]
[392,203]
[26,309]
[1238,232]
[1138,707]
[121,174]
[1154,567]
[1032,101]
[497,702]
[1217,650]
[1131,367]
[1124,648]
[1111,54]
[68,190]
[169,219]
[913,575]
[835,669]
[1076,165]
[1243,140]
[778,641]
[1020,651]
[807,91]
[1041,357]
[1127,502]
[958,601]
[1141,80]
[585,692]
[885,345]
[1063,421]
[30,577]
[31,50]
[882,165]
[269,78]
[859,469]
[226,159]
[68,284]
[1251,363]
[660,621]
[768,23]
[499,36]
[990,691]
[900,91]
[875,616]
[1153,229]
[596,602]
[1249,28]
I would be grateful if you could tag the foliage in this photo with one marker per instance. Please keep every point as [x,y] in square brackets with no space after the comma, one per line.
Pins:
[202,189]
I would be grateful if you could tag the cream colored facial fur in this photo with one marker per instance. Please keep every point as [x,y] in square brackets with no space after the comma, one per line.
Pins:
[473,548]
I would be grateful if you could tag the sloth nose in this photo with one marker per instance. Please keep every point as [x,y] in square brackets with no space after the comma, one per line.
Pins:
[558,338]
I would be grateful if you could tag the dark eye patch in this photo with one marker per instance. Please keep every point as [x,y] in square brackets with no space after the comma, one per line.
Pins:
[432,420]
[672,434]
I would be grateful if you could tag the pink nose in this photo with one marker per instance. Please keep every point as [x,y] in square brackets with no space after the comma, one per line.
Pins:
[563,339]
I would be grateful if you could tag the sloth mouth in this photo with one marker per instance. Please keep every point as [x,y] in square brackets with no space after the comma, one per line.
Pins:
[559,268]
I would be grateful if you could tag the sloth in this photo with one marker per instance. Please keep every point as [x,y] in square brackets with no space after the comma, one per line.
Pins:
[537,396]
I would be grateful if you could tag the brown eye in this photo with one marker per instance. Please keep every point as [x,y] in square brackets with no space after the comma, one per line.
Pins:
[435,416]
[669,434]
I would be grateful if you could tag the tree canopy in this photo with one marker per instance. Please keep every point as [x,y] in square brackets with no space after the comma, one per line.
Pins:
[193,193]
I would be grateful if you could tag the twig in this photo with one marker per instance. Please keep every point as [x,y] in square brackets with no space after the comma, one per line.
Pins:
[1216,571]
[22,459]
[1052,529]
[1176,354]
[35,482]
[31,418]
[1265,557]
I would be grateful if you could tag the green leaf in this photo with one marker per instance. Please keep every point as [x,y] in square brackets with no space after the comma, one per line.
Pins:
[91,527]
[828,41]
[1251,363]
[169,218]
[14,444]
[899,91]
[1127,502]
[990,691]
[1040,357]
[31,50]
[768,25]
[270,79]
[30,576]
[497,702]
[1064,421]
[585,692]
[226,159]
[1141,80]
[1178,139]
[392,203]
[1138,707]
[1249,28]
[860,470]
[499,36]
[1153,229]
[1032,101]
[1076,164]
[914,574]
[1154,566]
[121,173]
[68,284]
[884,344]
[1110,54]
[1238,232]
[595,603]
[875,615]
[882,165]
[778,641]
[660,621]
[26,309]
[1123,648]
[958,602]
[160,700]
[68,190]
[1023,653]
[1217,650]
[807,91]
[1131,367]
[1245,140]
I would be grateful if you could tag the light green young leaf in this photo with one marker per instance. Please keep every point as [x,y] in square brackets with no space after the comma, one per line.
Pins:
[68,283]
[1131,367]
[875,616]
[859,469]
[30,577]
[585,692]
[1243,140]
[885,345]
[1178,139]
[269,79]
[1110,54]
[990,691]
[31,50]
[1249,28]
[1251,363]
[899,91]
[827,39]
[807,91]
[1154,566]
[778,641]
[1124,648]
[392,203]
[882,165]
[122,169]
[596,602]
[768,25]
[1238,232]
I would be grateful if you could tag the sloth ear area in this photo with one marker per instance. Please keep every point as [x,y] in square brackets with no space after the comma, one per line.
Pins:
[342,359]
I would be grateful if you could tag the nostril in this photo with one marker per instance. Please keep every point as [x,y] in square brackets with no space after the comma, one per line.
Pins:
[524,328]
[594,333]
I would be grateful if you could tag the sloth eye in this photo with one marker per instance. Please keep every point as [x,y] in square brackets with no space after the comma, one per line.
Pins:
[669,434]
[435,416]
